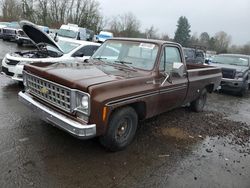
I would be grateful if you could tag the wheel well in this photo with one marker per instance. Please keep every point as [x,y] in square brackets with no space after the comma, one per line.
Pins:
[210,88]
[140,108]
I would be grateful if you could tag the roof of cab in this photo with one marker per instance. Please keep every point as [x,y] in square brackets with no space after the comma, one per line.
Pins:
[159,42]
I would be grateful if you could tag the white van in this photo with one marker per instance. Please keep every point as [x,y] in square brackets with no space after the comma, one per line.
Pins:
[75,32]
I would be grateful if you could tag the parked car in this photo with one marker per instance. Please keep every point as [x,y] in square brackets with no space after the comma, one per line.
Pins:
[10,32]
[75,32]
[47,51]
[107,96]
[235,72]
[2,25]
[22,38]
[193,55]
[103,35]
[209,55]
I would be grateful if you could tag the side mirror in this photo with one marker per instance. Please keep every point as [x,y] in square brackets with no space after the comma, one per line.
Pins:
[178,68]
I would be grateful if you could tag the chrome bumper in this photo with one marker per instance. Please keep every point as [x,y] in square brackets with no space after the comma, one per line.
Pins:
[232,84]
[73,127]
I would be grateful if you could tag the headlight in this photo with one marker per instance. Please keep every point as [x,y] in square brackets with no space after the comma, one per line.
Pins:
[83,103]
[238,75]
[24,79]
[5,60]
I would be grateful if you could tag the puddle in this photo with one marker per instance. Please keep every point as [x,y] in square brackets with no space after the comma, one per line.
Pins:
[176,133]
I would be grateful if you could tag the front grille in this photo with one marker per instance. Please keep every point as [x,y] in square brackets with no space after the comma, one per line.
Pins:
[11,62]
[51,92]
[228,73]
[6,71]
[9,31]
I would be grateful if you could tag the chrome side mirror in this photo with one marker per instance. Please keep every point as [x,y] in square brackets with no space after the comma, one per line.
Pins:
[178,68]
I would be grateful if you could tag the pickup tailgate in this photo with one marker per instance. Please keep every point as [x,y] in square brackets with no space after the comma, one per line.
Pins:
[200,76]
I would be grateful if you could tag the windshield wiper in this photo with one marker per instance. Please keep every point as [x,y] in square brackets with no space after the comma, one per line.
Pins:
[235,64]
[100,59]
[125,63]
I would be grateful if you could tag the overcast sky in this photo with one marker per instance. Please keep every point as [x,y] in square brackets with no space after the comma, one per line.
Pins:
[231,16]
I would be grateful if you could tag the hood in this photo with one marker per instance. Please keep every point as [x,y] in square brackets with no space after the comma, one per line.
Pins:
[233,67]
[37,35]
[80,75]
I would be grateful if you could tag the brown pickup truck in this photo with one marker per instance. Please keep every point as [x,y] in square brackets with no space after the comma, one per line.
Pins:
[125,81]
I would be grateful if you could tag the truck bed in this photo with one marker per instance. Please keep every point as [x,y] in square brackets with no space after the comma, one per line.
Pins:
[191,66]
[199,76]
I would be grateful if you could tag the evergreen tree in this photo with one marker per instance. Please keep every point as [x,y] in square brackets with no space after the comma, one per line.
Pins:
[182,34]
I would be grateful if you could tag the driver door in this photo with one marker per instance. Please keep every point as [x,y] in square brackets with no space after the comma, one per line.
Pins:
[173,91]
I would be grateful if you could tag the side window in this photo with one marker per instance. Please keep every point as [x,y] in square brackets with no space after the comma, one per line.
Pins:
[169,56]
[84,51]
[94,48]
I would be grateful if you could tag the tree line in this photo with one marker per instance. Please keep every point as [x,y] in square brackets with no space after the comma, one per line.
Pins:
[54,13]
[220,42]
[86,13]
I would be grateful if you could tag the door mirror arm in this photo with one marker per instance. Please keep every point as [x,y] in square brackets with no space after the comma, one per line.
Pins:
[168,77]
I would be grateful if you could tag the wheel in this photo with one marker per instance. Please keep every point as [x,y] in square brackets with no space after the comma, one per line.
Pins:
[122,128]
[198,104]
[244,88]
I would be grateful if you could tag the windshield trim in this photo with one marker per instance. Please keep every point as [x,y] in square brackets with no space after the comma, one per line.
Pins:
[155,62]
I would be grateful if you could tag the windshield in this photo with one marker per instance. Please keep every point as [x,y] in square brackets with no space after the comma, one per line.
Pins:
[14,25]
[65,46]
[67,33]
[136,54]
[231,60]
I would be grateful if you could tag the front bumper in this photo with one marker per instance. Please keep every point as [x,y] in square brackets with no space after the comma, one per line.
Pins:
[82,131]
[9,37]
[15,72]
[232,84]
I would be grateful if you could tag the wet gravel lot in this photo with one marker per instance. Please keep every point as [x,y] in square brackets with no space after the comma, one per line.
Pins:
[176,149]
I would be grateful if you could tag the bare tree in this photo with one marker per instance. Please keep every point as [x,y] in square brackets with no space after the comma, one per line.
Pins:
[244,49]
[126,25]
[11,9]
[151,33]
[42,12]
[165,37]
[58,10]
[204,39]
[85,13]
[222,41]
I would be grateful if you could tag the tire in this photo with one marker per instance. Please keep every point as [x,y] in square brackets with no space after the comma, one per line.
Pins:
[122,128]
[198,104]
[244,89]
